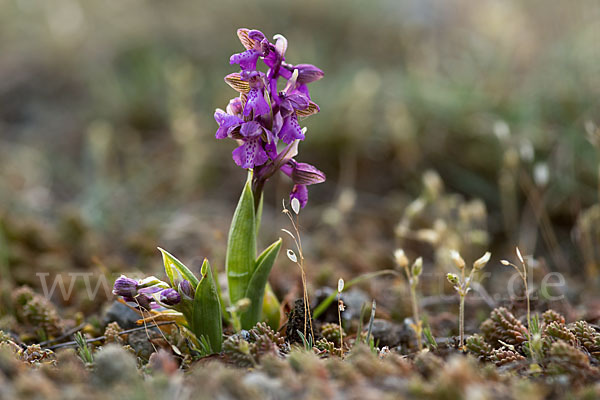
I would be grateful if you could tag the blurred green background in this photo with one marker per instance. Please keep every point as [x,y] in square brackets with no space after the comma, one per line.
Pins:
[106,116]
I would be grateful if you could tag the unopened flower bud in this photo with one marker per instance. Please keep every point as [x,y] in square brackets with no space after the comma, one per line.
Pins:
[417,267]
[457,259]
[400,258]
[125,287]
[235,106]
[186,289]
[308,73]
[170,297]
[453,279]
[482,261]
[141,300]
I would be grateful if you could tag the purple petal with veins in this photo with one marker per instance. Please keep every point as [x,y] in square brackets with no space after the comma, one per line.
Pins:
[250,154]
[246,59]
[291,130]
[306,174]
[251,129]
[256,101]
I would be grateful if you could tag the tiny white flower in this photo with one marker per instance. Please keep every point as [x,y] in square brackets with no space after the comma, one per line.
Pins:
[400,258]
[340,285]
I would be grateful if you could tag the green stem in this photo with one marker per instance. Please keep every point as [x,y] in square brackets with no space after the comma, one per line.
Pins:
[257,191]
[528,304]
[415,307]
[461,320]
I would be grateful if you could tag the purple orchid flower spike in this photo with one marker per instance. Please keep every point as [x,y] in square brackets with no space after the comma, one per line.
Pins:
[262,115]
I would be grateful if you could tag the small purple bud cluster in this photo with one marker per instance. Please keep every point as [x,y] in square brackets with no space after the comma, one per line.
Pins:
[151,293]
[262,116]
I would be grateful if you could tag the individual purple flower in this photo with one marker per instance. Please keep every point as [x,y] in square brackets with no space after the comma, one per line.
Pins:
[251,153]
[256,99]
[291,101]
[125,286]
[307,73]
[169,297]
[302,175]
[235,107]
[256,46]
[227,123]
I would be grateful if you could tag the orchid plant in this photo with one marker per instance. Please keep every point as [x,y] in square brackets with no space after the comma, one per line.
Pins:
[264,122]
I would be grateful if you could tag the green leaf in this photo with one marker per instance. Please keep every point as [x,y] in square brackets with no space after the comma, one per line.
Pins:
[174,268]
[259,212]
[241,246]
[256,286]
[206,316]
